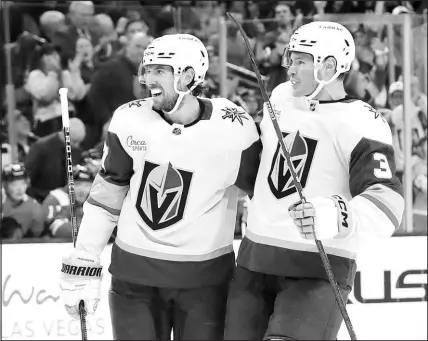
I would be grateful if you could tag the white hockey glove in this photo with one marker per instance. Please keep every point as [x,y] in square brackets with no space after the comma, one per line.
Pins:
[323,218]
[80,280]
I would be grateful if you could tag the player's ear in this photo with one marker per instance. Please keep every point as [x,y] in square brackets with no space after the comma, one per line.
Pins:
[329,68]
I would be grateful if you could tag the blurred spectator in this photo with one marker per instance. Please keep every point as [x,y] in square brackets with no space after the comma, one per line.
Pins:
[232,90]
[43,84]
[236,51]
[187,17]
[251,103]
[18,206]
[115,83]
[108,44]
[208,13]
[57,204]
[10,229]
[275,42]
[418,97]
[211,83]
[134,26]
[255,28]
[50,23]
[84,63]
[130,27]
[395,93]
[24,139]
[418,127]
[80,14]
[46,160]
[22,55]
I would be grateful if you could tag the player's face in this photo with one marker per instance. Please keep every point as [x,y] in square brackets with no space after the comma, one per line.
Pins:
[16,189]
[301,72]
[160,81]
[134,28]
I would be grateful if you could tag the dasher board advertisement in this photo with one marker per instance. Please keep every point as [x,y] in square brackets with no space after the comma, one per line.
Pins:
[389,300]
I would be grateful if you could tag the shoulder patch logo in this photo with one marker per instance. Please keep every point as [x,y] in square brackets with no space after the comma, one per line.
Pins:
[302,151]
[234,114]
[162,196]
[376,113]
[137,103]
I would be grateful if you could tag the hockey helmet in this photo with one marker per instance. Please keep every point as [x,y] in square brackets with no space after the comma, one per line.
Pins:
[14,171]
[322,39]
[180,51]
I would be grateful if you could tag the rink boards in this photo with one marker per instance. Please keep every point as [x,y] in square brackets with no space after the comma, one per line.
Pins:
[389,300]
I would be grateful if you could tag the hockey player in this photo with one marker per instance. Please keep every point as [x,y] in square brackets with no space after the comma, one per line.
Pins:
[168,169]
[17,205]
[57,204]
[342,153]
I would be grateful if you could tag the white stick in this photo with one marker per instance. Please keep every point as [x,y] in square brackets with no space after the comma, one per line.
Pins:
[64,107]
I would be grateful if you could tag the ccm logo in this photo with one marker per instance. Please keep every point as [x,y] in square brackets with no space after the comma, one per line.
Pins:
[343,210]
[81,270]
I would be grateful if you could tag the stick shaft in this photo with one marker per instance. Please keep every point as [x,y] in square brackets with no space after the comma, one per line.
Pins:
[71,192]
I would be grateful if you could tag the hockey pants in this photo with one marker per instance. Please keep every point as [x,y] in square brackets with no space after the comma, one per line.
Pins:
[140,312]
[268,307]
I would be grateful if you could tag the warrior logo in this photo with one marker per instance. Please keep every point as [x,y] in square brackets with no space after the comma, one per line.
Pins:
[302,151]
[162,195]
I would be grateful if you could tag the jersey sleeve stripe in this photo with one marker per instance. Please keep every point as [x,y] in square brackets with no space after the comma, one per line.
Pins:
[173,257]
[105,207]
[387,200]
[107,194]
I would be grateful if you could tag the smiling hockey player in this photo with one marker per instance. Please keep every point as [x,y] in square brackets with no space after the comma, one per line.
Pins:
[168,170]
[342,152]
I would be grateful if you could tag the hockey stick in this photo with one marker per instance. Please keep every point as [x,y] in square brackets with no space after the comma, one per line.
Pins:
[71,192]
[297,184]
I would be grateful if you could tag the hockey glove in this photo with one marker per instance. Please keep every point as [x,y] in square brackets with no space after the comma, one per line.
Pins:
[323,218]
[80,280]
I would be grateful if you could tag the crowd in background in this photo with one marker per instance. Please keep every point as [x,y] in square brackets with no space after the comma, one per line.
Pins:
[94,49]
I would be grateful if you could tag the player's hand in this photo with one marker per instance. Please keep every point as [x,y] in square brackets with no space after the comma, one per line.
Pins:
[80,281]
[323,218]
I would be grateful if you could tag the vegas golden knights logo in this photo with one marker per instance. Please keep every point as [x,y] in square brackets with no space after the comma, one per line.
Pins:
[162,195]
[302,151]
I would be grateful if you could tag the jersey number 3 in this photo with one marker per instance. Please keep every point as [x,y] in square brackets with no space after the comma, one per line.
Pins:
[384,171]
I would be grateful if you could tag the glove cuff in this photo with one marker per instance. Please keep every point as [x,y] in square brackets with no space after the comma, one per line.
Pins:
[81,264]
[345,219]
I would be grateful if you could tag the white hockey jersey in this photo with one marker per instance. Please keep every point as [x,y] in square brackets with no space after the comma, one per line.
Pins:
[169,189]
[337,147]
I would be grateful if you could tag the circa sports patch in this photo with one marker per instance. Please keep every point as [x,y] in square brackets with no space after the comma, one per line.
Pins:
[234,115]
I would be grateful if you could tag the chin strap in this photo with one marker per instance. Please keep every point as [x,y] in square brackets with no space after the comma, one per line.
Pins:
[181,94]
[321,83]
